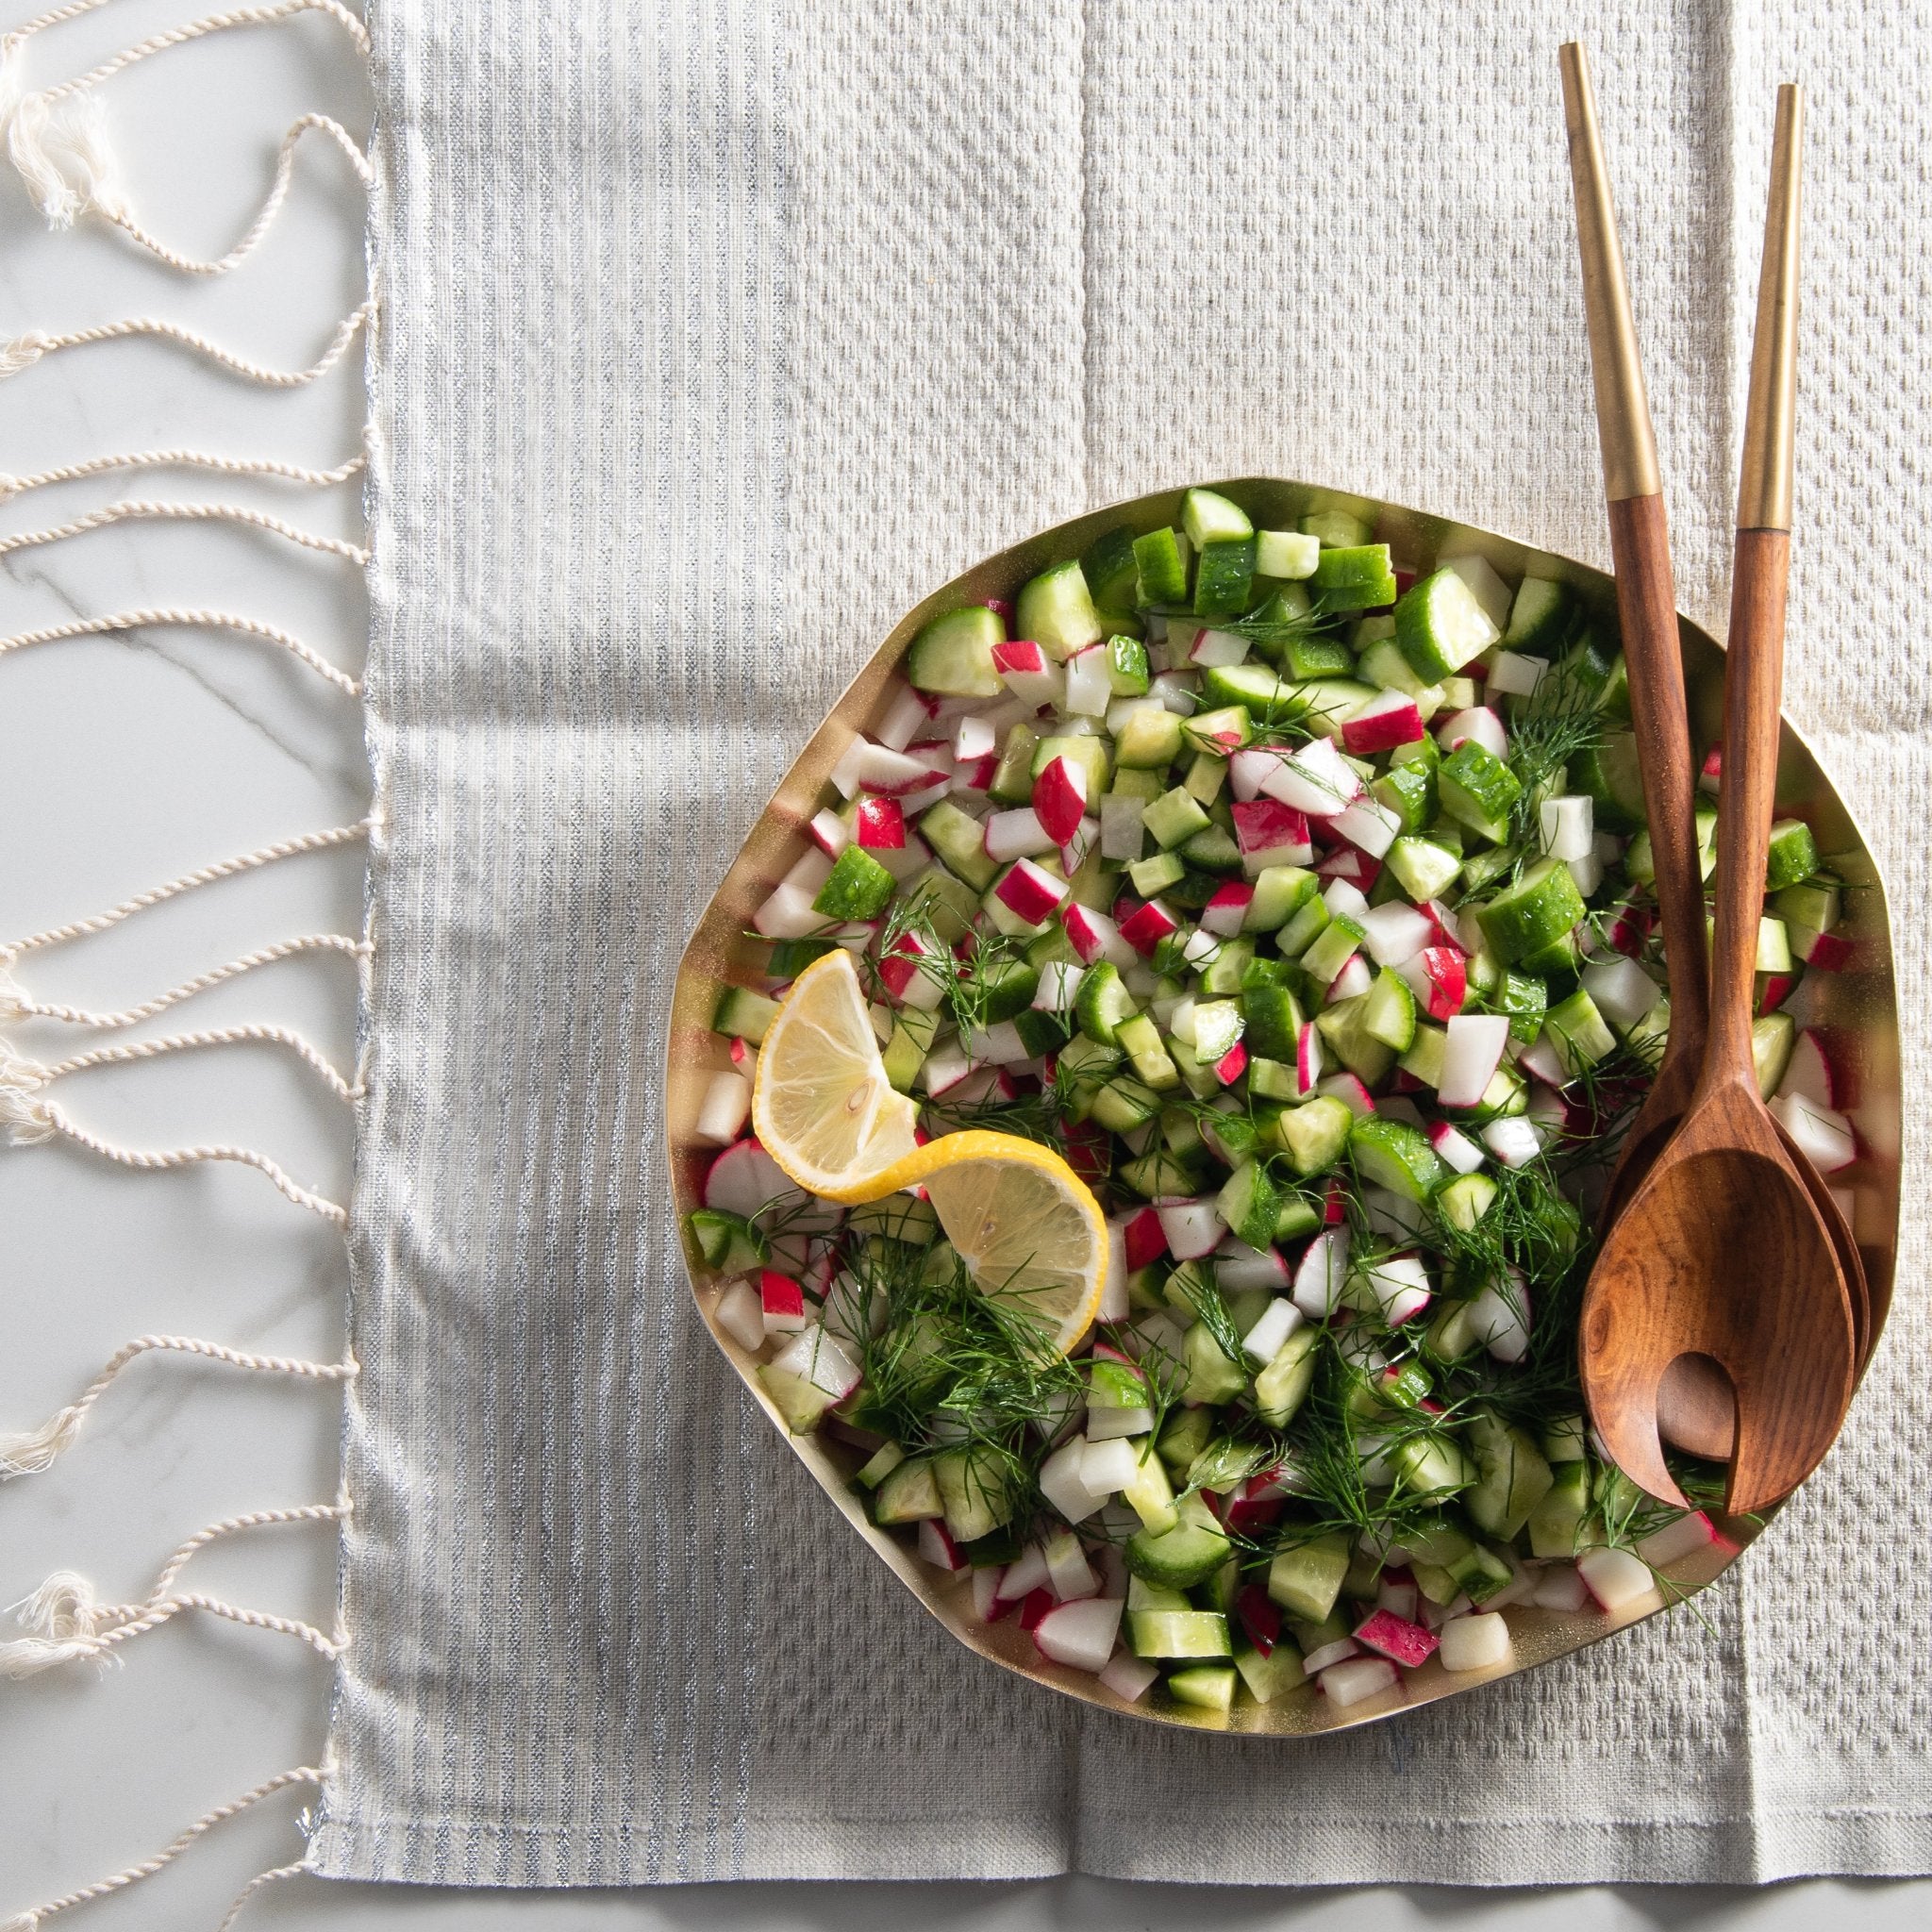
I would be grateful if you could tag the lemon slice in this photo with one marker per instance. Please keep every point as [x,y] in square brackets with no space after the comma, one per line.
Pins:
[1027,1227]
[822,1106]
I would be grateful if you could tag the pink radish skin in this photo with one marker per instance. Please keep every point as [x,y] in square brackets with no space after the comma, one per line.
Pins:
[1145,1238]
[1385,723]
[1030,893]
[1454,1148]
[1270,833]
[938,1547]
[1080,1634]
[1398,1638]
[1093,936]
[1146,928]
[1227,910]
[1059,799]
[880,825]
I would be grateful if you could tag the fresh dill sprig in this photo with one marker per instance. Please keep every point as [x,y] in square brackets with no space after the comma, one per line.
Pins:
[1559,723]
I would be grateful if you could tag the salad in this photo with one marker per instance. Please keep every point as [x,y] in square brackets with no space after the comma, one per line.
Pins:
[1301,907]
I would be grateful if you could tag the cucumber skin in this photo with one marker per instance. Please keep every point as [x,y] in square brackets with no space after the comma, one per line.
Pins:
[1056,610]
[952,656]
[1224,577]
[1162,563]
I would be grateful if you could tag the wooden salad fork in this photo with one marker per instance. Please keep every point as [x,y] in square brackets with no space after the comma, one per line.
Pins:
[1695,1406]
[1720,1250]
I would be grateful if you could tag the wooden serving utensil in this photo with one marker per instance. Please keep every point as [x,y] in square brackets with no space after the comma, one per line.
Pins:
[1696,1410]
[1722,1251]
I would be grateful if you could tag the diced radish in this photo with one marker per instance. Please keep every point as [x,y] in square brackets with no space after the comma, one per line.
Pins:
[1237,1267]
[906,717]
[1711,773]
[1025,1574]
[1260,1616]
[1144,1240]
[944,1071]
[1499,1317]
[938,1547]
[1356,1681]
[1093,936]
[1324,1656]
[923,987]
[1034,1606]
[1542,1058]
[1630,930]
[974,738]
[1624,991]
[1030,892]
[1396,1638]
[1439,977]
[1825,1138]
[1110,1465]
[1827,951]
[1350,862]
[1063,1485]
[1476,725]
[1080,1634]
[907,860]
[1475,1642]
[1192,1228]
[1448,929]
[781,1303]
[1146,928]
[1232,1064]
[1129,1677]
[1569,826]
[1512,674]
[1308,1057]
[815,1356]
[1615,1577]
[1344,899]
[1394,932]
[879,825]
[1561,1589]
[1059,800]
[1678,1539]
[788,914]
[869,767]
[1809,1075]
[998,1045]
[1322,1273]
[722,1112]
[975,775]
[1347,1088]
[1215,649]
[1401,1287]
[1090,690]
[1176,691]
[1276,1324]
[1316,780]
[739,1315]
[809,873]
[1199,948]
[1514,1141]
[1356,977]
[744,1056]
[1271,833]
[1369,824]
[829,832]
[1454,1148]
[1397,1593]
[986,1600]
[1335,1205]
[1247,768]
[1029,673]
[1471,1056]
[1383,724]
[1225,912]
[744,1178]
[1016,834]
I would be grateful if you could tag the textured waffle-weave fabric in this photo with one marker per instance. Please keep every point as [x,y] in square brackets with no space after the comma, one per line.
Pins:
[713,336]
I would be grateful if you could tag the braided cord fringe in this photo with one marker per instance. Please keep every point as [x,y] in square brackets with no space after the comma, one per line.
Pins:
[31,1921]
[23,352]
[197,619]
[29,1452]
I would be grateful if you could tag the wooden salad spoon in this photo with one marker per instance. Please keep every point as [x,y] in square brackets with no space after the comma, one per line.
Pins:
[1696,1410]
[1722,1251]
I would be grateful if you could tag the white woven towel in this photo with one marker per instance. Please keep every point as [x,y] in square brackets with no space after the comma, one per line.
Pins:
[715,335]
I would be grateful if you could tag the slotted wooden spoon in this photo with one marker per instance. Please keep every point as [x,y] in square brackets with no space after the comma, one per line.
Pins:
[1695,1409]
[1720,1251]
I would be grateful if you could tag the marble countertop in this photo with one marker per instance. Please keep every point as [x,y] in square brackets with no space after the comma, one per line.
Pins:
[127,760]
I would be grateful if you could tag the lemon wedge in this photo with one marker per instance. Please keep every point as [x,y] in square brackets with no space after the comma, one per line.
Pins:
[1026,1225]
[822,1106]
